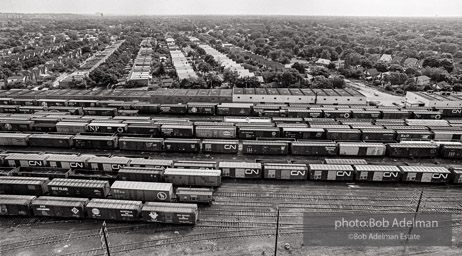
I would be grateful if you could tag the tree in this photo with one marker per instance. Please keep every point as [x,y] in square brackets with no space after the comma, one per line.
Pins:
[447,64]
[325,54]
[338,82]
[212,80]
[204,67]
[431,62]
[381,67]
[247,82]
[299,67]
[160,71]
[230,76]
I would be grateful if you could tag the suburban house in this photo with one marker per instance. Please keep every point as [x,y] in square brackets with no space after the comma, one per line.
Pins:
[422,80]
[14,79]
[410,63]
[372,73]
[323,62]
[397,60]
[385,58]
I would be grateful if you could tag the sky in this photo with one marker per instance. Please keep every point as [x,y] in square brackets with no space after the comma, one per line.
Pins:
[411,8]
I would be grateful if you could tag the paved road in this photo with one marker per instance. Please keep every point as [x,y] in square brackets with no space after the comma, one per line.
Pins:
[385,99]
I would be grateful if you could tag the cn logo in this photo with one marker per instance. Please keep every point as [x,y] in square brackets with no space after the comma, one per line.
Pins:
[35,163]
[390,174]
[343,173]
[251,172]
[439,176]
[162,196]
[153,215]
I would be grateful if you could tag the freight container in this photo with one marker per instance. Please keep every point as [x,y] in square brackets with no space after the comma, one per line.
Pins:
[107,127]
[100,111]
[82,103]
[258,132]
[150,129]
[50,206]
[173,109]
[331,172]
[16,125]
[412,150]
[175,213]
[220,146]
[343,134]
[309,113]
[204,165]
[151,163]
[395,114]
[234,109]
[202,108]
[361,149]
[183,131]
[110,209]
[194,195]
[69,161]
[143,191]
[447,135]
[14,205]
[378,135]
[369,114]
[79,188]
[70,110]
[71,127]
[14,139]
[27,160]
[23,185]
[427,114]
[413,135]
[337,113]
[221,132]
[193,177]
[42,172]
[95,142]
[303,133]
[285,171]
[141,144]
[50,140]
[108,164]
[345,161]
[182,145]
[386,173]
[241,170]
[451,151]
[147,174]
[265,147]
[424,174]
[146,108]
[306,148]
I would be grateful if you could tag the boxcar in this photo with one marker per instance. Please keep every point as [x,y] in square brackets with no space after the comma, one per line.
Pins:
[110,209]
[285,171]
[70,110]
[27,160]
[23,185]
[202,108]
[378,135]
[241,170]
[50,140]
[141,144]
[79,188]
[193,177]
[265,147]
[427,114]
[71,127]
[173,109]
[100,111]
[331,172]
[175,213]
[194,195]
[447,135]
[150,129]
[107,127]
[14,139]
[182,145]
[424,174]
[182,131]
[151,163]
[69,161]
[141,174]
[361,149]
[412,150]
[234,109]
[306,148]
[257,132]
[220,146]
[343,134]
[144,191]
[82,103]
[47,172]
[108,164]
[203,165]
[14,205]
[303,133]
[345,161]
[16,125]
[413,135]
[95,142]
[451,151]
[221,132]
[50,206]
[146,108]
[387,173]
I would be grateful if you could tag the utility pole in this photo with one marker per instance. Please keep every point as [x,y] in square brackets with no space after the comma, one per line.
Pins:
[277,234]
[104,242]
[412,226]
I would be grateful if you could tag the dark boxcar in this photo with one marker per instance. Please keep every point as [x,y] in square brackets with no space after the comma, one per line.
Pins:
[9,109]
[30,109]
[95,142]
[184,131]
[175,213]
[289,120]
[303,133]
[173,109]
[82,103]
[141,174]
[424,174]
[241,170]
[368,114]
[182,145]
[306,148]
[145,108]
[84,174]
[451,112]
[100,111]
[413,135]
[14,139]
[7,101]
[16,125]
[451,151]
[45,124]
[427,114]
[71,110]
[79,188]
[310,113]
[144,191]
[265,147]
[127,112]
[42,172]
[68,161]
[343,134]
[220,146]
[203,165]
[234,109]
[51,102]
[257,132]
[50,140]
[50,206]
[378,135]
[337,114]
[202,108]
[412,150]
[377,173]
[194,195]
[331,172]
[23,102]
[456,174]
[285,171]
[221,132]
[150,129]
[141,144]
[107,127]
[14,205]
[193,177]
[110,209]
[23,185]
[108,164]
[395,114]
